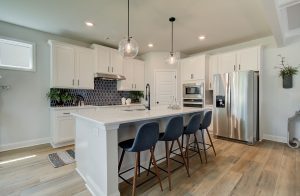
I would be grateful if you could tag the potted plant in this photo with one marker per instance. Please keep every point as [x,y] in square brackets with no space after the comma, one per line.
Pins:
[60,97]
[287,72]
[136,96]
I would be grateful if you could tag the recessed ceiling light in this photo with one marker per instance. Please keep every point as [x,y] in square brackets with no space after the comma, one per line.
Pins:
[89,24]
[202,37]
[150,45]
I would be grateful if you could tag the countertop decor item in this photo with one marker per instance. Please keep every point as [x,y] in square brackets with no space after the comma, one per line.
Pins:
[136,96]
[128,101]
[173,58]
[286,72]
[128,47]
[60,96]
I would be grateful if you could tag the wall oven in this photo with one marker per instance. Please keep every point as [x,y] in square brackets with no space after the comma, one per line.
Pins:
[193,94]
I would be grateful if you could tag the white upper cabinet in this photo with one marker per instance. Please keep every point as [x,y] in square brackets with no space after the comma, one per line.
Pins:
[213,69]
[227,62]
[248,59]
[193,68]
[71,66]
[108,60]
[134,72]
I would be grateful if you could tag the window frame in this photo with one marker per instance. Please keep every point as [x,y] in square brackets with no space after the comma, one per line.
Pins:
[21,43]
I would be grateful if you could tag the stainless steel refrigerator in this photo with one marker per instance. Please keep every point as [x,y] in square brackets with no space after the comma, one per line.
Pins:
[235,111]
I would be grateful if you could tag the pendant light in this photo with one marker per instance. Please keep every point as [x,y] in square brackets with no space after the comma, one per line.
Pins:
[128,47]
[172,59]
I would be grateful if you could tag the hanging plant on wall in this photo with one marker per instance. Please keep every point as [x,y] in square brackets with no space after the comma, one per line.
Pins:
[286,72]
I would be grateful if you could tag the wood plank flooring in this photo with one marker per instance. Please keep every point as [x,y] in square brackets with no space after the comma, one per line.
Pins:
[268,168]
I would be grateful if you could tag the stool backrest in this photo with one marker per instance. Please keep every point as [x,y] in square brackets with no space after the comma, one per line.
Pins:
[174,129]
[146,137]
[206,121]
[193,125]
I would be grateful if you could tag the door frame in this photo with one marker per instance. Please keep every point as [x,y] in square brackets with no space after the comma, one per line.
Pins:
[165,70]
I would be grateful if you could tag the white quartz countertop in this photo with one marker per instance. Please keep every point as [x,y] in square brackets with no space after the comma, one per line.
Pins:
[122,116]
[91,106]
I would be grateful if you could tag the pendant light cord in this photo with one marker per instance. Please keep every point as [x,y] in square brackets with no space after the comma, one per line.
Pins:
[172,40]
[128,21]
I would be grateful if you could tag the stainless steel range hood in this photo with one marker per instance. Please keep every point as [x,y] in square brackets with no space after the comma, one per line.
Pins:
[106,76]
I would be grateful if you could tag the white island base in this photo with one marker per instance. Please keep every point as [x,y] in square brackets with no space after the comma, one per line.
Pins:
[96,143]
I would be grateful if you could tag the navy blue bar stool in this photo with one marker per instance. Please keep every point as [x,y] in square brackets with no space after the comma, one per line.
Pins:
[191,129]
[205,123]
[146,138]
[173,131]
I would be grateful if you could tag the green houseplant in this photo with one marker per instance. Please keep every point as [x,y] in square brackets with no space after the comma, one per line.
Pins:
[59,96]
[136,96]
[286,72]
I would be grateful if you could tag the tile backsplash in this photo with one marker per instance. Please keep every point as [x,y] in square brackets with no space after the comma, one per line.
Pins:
[105,93]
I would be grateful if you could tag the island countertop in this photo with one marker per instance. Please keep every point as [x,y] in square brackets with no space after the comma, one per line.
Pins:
[119,116]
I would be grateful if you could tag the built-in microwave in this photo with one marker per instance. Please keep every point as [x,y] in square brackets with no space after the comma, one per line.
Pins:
[193,90]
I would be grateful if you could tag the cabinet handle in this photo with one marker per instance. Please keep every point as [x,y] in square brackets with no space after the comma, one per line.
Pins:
[234,68]
[112,69]
[239,66]
[107,68]
[78,82]
[73,81]
[192,76]
[131,85]
[210,85]
[135,86]
[66,112]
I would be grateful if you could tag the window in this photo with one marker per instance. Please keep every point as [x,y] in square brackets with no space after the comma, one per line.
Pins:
[16,55]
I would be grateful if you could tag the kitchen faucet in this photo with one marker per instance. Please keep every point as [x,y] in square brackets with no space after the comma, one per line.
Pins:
[147,97]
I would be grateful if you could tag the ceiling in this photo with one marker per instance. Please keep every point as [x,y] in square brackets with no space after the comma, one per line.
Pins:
[223,22]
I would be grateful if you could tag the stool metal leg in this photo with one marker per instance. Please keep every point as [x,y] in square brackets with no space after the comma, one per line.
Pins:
[121,160]
[135,173]
[204,146]
[168,163]
[182,155]
[197,144]
[212,145]
[156,168]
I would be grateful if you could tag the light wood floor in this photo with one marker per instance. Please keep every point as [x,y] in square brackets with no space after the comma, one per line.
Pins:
[268,168]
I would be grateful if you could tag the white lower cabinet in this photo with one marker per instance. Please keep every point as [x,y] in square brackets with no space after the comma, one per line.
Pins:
[62,125]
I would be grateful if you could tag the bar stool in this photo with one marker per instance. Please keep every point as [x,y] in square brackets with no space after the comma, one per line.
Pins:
[191,129]
[205,123]
[172,133]
[146,138]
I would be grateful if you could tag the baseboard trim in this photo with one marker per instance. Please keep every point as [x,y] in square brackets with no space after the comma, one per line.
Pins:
[23,144]
[275,138]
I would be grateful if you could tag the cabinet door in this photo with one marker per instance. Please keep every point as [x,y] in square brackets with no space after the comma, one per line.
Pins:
[127,84]
[139,75]
[213,69]
[185,69]
[197,67]
[116,62]
[65,129]
[227,62]
[85,68]
[102,59]
[62,66]
[248,59]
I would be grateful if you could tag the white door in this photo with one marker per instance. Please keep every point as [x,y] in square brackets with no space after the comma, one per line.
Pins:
[116,62]
[165,87]
[85,68]
[248,59]
[139,75]
[197,67]
[227,62]
[213,69]
[63,62]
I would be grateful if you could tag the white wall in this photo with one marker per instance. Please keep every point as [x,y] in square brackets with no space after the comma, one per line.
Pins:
[155,61]
[24,112]
[277,104]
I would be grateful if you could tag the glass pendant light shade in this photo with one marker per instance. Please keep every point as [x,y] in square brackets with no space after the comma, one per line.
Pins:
[172,59]
[128,48]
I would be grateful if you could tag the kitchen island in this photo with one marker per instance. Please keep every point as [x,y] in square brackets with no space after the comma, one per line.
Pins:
[96,144]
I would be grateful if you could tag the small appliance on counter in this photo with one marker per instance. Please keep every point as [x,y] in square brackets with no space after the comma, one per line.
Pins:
[193,94]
